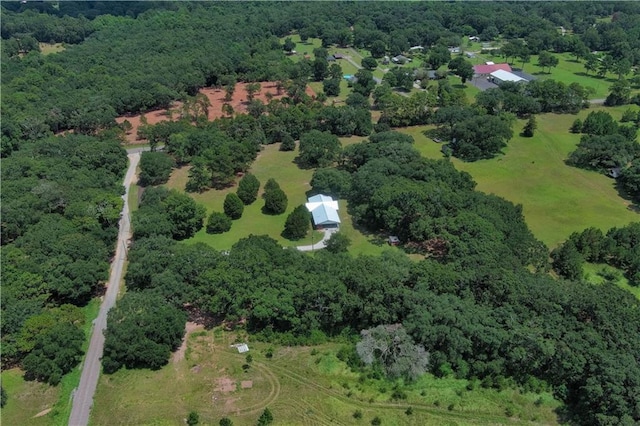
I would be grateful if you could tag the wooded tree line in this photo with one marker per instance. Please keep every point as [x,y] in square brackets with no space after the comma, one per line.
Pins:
[619,247]
[611,148]
[90,83]
[61,203]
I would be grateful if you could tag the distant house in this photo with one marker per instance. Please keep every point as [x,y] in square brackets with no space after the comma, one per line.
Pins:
[416,49]
[385,60]
[338,55]
[487,69]
[474,38]
[324,211]
[470,55]
[454,50]
[393,240]
[500,76]
[331,58]
[400,59]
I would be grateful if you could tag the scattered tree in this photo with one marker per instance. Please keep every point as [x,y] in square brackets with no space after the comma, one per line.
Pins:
[369,63]
[338,242]
[193,418]
[287,143]
[248,188]
[155,168]
[266,418]
[233,206]
[218,223]
[318,149]
[530,127]
[297,224]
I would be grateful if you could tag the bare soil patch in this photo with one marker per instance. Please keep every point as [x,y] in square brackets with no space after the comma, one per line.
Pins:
[246,384]
[42,413]
[225,385]
[216,96]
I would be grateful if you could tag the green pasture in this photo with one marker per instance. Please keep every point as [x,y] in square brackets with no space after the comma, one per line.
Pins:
[557,199]
[35,403]
[300,385]
[27,401]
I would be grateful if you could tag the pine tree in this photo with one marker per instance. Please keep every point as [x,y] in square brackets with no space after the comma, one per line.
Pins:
[233,206]
[530,127]
[248,188]
[297,223]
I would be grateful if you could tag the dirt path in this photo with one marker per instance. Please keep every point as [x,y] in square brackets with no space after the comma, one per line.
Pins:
[179,354]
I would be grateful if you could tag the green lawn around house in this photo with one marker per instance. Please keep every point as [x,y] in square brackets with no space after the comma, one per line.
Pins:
[271,163]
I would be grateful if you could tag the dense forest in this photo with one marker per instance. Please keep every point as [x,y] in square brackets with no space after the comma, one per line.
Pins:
[482,303]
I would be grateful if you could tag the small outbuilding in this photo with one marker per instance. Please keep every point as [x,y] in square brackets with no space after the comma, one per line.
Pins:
[393,240]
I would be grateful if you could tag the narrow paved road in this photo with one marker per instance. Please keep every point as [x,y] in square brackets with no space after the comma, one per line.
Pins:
[83,395]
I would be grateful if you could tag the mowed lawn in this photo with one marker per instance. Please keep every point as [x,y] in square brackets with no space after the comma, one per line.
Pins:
[295,182]
[557,199]
[271,163]
[300,385]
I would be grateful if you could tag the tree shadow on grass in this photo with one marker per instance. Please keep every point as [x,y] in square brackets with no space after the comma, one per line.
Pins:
[375,238]
[634,204]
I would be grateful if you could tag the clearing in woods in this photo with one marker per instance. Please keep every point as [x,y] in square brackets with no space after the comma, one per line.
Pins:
[216,96]
[557,199]
[300,385]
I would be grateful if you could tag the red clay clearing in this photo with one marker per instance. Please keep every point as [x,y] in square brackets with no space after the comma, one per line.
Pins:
[216,98]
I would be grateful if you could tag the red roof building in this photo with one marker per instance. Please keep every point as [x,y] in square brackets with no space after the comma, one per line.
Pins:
[488,69]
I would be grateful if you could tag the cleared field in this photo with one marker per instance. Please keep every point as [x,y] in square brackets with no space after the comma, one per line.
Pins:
[300,385]
[301,48]
[49,48]
[557,199]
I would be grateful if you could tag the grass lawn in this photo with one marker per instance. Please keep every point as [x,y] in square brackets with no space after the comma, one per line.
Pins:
[27,401]
[598,273]
[557,199]
[271,163]
[301,48]
[300,385]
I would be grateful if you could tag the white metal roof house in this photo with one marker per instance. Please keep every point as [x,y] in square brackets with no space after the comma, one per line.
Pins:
[324,210]
[500,76]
